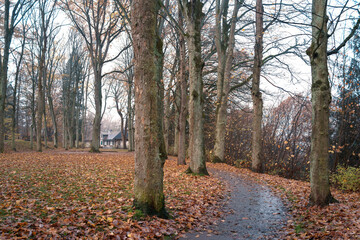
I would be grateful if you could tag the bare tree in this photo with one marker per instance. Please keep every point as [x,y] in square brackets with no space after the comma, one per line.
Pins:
[255,91]
[192,11]
[98,22]
[18,62]
[183,96]
[321,98]
[46,13]
[13,13]
[225,43]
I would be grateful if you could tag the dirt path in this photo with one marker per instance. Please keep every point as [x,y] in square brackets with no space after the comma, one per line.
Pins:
[255,213]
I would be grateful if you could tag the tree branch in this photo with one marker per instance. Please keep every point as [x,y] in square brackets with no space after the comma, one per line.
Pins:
[336,50]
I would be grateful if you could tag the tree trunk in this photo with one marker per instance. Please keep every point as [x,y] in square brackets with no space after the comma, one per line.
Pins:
[225,52]
[124,134]
[166,118]
[65,145]
[39,118]
[83,131]
[33,117]
[321,98]
[130,117]
[45,129]
[193,15]
[40,99]
[256,95]
[159,58]
[4,71]
[77,125]
[176,133]
[95,142]
[15,95]
[181,152]
[123,122]
[148,186]
[13,125]
[53,119]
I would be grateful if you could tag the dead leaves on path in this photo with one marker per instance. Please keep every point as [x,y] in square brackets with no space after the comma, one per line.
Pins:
[337,221]
[82,195]
[54,195]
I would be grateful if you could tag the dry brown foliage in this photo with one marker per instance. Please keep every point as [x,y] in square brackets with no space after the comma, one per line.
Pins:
[83,195]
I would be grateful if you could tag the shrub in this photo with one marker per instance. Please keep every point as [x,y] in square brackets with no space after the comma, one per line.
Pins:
[347,179]
[242,163]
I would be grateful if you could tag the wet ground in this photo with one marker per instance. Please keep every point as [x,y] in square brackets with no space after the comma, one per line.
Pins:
[254,212]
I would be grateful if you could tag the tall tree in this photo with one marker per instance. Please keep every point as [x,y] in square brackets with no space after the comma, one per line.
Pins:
[15,106]
[118,91]
[54,59]
[225,43]
[46,19]
[33,73]
[160,81]
[256,154]
[192,11]
[13,13]
[181,152]
[321,98]
[98,22]
[148,186]
[73,79]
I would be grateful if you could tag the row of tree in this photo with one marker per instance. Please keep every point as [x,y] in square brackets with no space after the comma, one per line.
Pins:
[149,58]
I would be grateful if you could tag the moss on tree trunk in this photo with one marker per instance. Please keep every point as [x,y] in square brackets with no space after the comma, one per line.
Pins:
[321,97]
[193,15]
[148,185]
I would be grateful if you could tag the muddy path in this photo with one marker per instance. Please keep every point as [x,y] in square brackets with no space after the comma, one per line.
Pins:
[254,212]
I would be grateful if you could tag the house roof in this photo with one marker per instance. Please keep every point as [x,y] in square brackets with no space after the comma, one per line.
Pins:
[113,136]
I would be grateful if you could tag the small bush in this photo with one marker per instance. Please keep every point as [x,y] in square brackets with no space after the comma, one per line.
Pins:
[242,163]
[347,179]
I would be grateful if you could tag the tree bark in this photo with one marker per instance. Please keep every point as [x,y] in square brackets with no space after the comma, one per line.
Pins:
[130,117]
[193,16]
[181,153]
[33,115]
[95,142]
[45,126]
[148,186]
[225,43]
[321,98]
[256,95]
[53,119]
[160,82]
[77,127]
[15,94]
[4,71]
[83,127]
[166,117]
[40,96]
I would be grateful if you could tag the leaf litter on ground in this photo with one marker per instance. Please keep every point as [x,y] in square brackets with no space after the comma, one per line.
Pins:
[83,195]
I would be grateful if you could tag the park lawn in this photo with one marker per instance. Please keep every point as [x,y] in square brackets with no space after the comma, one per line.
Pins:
[73,195]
